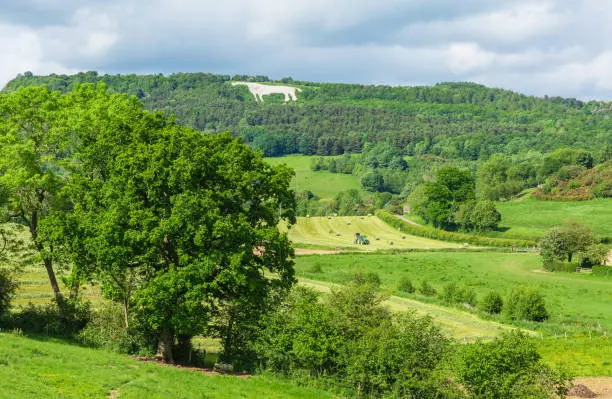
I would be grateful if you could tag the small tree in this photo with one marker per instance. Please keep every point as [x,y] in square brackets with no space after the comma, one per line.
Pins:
[562,243]
[8,286]
[492,303]
[509,367]
[485,216]
[525,304]
[594,254]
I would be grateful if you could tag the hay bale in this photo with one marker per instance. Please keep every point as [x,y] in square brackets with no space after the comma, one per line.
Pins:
[337,234]
[348,223]
[329,217]
[377,238]
[307,216]
[390,242]
[361,217]
[404,236]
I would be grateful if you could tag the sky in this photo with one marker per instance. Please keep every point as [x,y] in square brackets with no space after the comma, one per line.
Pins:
[547,47]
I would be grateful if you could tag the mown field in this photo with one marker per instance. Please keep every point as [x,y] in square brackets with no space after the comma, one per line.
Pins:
[339,232]
[322,183]
[34,368]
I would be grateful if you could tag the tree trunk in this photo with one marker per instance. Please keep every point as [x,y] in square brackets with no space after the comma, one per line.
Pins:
[166,340]
[126,318]
[569,257]
[183,349]
[54,286]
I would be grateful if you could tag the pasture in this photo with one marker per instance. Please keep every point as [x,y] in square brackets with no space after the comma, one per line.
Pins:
[531,218]
[322,183]
[575,301]
[49,368]
[339,232]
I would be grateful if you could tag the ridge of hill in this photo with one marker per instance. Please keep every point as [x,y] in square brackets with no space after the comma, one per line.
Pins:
[454,120]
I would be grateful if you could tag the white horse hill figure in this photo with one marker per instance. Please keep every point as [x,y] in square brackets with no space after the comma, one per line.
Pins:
[258,90]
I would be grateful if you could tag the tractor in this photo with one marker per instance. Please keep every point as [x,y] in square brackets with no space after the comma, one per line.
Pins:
[361,239]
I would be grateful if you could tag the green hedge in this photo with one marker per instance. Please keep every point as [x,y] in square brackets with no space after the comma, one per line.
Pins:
[558,266]
[437,234]
[602,271]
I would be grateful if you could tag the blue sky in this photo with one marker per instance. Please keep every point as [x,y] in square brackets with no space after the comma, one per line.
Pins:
[554,47]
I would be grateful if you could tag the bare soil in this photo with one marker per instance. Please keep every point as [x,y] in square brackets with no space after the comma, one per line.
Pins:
[600,386]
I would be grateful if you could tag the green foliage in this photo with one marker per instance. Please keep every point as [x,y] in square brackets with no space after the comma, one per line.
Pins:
[372,181]
[602,271]
[564,242]
[492,303]
[426,289]
[454,294]
[508,367]
[405,285]
[47,319]
[351,344]
[360,278]
[525,304]
[8,286]
[437,234]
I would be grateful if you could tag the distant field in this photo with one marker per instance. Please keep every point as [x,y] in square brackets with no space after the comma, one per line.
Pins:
[322,183]
[322,232]
[574,301]
[32,368]
[531,218]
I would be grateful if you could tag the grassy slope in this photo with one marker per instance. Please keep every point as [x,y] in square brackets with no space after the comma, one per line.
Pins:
[573,300]
[321,231]
[32,368]
[570,298]
[322,183]
[454,322]
[532,218]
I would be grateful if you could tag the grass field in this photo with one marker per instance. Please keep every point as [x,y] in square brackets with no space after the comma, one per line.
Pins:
[322,183]
[322,232]
[32,368]
[531,218]
[575,301]
[453,322]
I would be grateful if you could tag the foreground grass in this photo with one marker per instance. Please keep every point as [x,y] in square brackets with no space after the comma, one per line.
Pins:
[322,183]
[531,218]
[32,368]
[323,232]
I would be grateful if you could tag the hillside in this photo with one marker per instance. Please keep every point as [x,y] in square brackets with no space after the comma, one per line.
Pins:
[453,120]
[36,368]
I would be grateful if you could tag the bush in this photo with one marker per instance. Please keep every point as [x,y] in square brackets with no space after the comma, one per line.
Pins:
[45,319]
[509,367]
[8,286]
[359,278]
[560,266]
[452,294]
[525,304]
[426,289]
[605,271]
[405,285]
[106,329]
[492,303]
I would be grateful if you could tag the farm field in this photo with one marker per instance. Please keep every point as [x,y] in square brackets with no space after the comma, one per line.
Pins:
[322,183]
[34,368]
[322,232]
[573,300]
[531,218]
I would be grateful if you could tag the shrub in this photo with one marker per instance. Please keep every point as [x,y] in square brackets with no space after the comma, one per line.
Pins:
[508,367]
[427,289]
[359,278]
[106,329]
[560,266]
[492,303]
[602,271]
[45,319]
[405,285]
[437,234]
[7,290]
[316,268]
[525,304]
[452,293]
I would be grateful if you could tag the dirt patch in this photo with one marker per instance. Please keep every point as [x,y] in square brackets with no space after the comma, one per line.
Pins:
[303,251]
[609,260]
[203,370]
[114,394]
[601,387]
[581,391]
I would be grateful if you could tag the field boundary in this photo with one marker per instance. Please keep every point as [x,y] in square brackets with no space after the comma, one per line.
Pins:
[437,234]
